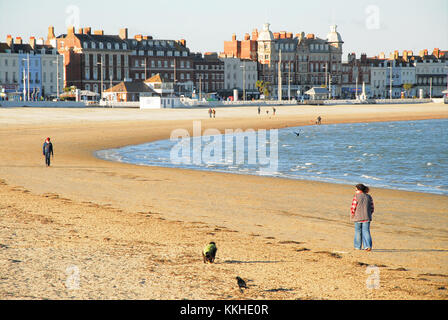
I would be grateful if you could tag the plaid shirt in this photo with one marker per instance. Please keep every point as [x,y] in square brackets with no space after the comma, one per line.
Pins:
[355,205]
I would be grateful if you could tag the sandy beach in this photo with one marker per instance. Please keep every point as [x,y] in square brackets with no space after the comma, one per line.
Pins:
[133,232]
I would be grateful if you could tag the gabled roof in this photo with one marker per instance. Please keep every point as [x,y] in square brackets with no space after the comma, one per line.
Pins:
[130,87]
[155,79]
[317,90]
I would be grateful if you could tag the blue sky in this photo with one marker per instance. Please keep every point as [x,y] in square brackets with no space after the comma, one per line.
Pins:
[366,26]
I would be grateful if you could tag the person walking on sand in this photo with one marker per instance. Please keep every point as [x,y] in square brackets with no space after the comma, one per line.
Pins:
[214,113]
[361,214]
[274,111]
[210,112]
[259,110]
[319,120]
[48,151]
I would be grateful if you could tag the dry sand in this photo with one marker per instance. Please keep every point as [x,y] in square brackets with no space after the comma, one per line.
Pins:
[133,232]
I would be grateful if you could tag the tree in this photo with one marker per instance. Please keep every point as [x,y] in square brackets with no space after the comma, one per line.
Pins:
[263,87]
[407,87]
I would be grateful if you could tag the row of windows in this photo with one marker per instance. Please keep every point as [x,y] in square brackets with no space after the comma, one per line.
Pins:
[213,76]
[214,86]
[248,76]
[163,64]
[209,67]
[34,77]
[160,53]
[101,46]
[230,86]
[180,76]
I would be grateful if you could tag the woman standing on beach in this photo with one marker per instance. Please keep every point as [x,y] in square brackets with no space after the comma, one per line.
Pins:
[361,214]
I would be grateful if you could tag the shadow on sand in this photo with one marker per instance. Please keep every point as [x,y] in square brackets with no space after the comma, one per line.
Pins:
[249,262]
[409,250]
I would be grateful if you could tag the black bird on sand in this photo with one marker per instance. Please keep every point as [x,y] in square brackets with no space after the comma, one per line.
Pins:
[241,284]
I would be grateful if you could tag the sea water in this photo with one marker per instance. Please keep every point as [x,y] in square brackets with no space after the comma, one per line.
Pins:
[408,155]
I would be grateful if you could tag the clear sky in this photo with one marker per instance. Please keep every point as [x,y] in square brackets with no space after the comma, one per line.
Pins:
[366,26]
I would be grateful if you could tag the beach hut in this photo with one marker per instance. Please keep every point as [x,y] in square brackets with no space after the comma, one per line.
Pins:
[318,93]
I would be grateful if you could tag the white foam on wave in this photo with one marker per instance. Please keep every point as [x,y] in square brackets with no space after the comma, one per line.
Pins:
[371,178]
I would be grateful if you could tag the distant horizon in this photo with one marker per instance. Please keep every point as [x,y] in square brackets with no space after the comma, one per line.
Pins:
[369,27]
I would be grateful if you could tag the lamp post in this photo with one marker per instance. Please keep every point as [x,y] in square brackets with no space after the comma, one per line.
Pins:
[244,80]
[280,88]
[390,82]
[26,88]
[57,76]
[174,65]
[145,64]
[101,64]
[430,88]
[289,82]
[200,87]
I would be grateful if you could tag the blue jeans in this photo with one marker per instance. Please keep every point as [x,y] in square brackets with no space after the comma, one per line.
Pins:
[362,235]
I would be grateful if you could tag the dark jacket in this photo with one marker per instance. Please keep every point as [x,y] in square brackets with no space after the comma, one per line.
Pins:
[47,149]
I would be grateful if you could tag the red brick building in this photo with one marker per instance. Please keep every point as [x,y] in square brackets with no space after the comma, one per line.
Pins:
[116,58]
[208,73]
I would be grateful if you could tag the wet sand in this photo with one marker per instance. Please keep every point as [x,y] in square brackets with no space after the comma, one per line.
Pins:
[137,232]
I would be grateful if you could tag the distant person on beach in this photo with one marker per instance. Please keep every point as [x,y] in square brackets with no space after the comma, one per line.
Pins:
[361,214]
[210,112]
[259,110]
[274,111]
[319,120]
[48,151]
[214,113]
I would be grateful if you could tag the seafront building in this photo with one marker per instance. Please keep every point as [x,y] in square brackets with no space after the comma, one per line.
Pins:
[241,75]
[30,71]
[95,61]
[298,62]
[289,64]
[208,75]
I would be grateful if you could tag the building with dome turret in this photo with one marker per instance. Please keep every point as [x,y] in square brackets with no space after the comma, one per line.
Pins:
[304,60]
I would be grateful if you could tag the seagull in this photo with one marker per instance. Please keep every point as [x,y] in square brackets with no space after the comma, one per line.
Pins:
[241,284]
[297,133]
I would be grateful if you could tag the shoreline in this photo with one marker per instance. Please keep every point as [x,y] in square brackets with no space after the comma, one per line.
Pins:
[274,176]
[86,208]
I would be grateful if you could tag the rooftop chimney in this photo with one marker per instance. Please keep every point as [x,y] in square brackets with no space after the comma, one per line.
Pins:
[233,37]
[138,37]
[255,34]
[405,56]
[87,30]
[247,36]
[71,31]
[51,35]
[436,53]
[33,42]
[124,33]
[183,42]
[99,33]
[289,35]
[18,40]
[80,31]
[9,40]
